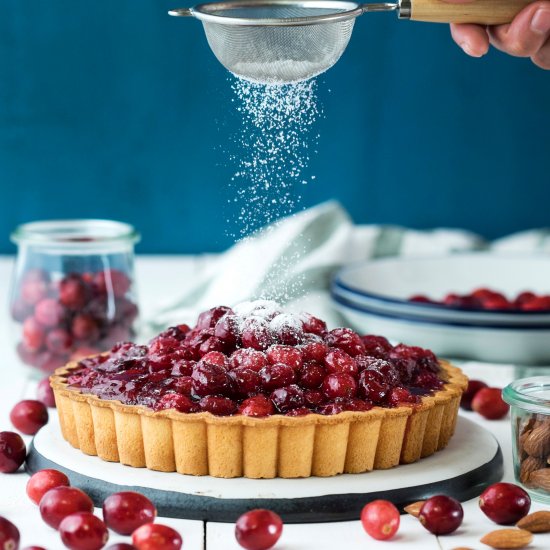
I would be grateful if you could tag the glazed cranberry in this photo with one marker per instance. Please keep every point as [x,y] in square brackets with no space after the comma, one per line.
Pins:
[210,380]
[28,416]
[209,319]
[227,330]
[488,403]
[277,376]
[33,334]
[380,519]
[314,351]
[300,411]
[182,367]
[347,340]
[177,401]
[258,529]
[504,503]
[339,385]
[289,397]
[220,406]
[426,380]
[313,398]
[337,360]
[12,452]
[49,313]
[257,406]
[385,368]
[311,375]
[44,393]
[287,329]
[372,386]
[313,325]
[184,385]
[59,341]
[246,382]
[124,512]
[356,404]
[44,480]
[540,303]
[73,293]
[84,327]
[210,345]
[400,396]
[441,515]
[473,387]
[60,502]
[83,531]
[154,536]
[285,354]
[216,358]
[163,345]
[249,358]
[376,346]
[330,409]
[256,334]
[9,535]
[112,280]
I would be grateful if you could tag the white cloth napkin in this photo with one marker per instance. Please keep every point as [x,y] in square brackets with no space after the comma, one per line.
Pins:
[293,261]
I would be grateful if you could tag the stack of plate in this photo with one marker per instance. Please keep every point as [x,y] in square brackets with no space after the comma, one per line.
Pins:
[374,297]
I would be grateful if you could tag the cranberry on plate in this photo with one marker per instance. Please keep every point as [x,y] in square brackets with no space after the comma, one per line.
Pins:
[28,416]
[44,480]
[124,512]
[505,503]
[154,536]
[380,519]
[9,535]
[258,529]
[12,452]
[441,515]
[60,502]
[83,531]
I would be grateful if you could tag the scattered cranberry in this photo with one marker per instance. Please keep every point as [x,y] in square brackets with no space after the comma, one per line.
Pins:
[28,416]
[488,403]
[380,519]
[126,511]
[12,452]
[441,515]
[44,480]
[504,503]
[60,502]
[258,529]
[9,535]
[44,393]
[83,531]
[153,536]
[473,387]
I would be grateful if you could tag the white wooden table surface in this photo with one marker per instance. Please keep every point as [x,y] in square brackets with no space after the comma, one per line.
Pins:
[159,279]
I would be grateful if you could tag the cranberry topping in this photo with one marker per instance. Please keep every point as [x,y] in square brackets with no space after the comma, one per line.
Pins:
[287,355]
[339,361]
[220,406]
[339,384]
[277,376]
[289,397]
[347,340]
[258,406]
[311,375]
[210,379]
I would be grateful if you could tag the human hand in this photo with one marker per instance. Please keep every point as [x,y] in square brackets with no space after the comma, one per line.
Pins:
[528,35]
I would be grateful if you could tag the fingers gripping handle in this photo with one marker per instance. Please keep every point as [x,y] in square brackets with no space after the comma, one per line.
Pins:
[483,12]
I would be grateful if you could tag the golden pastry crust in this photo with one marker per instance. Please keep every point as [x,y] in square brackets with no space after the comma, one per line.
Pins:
[274,446]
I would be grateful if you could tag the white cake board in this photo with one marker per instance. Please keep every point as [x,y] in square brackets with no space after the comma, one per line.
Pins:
[471,462]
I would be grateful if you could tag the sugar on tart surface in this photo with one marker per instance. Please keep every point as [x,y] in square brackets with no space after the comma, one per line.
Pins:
[256,392]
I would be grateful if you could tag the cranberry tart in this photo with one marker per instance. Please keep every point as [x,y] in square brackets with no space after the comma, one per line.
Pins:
[256,392]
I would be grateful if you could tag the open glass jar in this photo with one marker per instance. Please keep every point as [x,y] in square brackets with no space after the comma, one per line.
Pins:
[529,399]
[73,291]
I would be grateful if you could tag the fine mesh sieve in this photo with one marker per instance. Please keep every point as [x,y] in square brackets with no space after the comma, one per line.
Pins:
[284,41]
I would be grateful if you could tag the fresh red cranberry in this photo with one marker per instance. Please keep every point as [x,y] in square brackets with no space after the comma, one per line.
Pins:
[285,354]
[504,503]
[441,515]
[49,312]
[112,281]
[257,406]
[420,298]
[154,536]
[256,334]
[313,325]
[277,376]
[208,319]
[44,393]
[210,345]
[246,382]
[216,358]
[314,351]
[488,403]
[347,340]
[44,480]
[376,346]
[33,334]
[210,380]
[339,384]
[60,502]
[473,387]
[311,375]
[12,452]
[462,302]
[380,519]
[220,406]
[227,330]
[28,416]
[372,386]
[540,303]
[83,531]
[121,546]
[84,327]
[289,397]
[59,341]
[177,401]
[314,398]
[73,293]
[124,512]
[9,535]
[400,396]
[524,297]
[496,302]
[34,548]
[337,360]
[249,358]
[258,529]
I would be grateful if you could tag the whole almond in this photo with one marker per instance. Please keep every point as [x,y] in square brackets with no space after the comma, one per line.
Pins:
[528,466]
[507,538]
[537,522]
[414,508]
[540,479]
[537,443]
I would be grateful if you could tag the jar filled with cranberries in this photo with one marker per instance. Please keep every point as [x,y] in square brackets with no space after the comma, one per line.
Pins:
[73,291]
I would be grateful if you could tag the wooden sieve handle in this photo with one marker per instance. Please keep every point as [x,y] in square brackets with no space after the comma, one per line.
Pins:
[483,12]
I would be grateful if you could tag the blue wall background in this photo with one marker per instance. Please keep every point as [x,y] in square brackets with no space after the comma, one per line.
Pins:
[113,109]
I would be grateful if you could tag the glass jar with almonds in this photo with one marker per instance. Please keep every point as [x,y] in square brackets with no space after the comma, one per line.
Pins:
[529,399]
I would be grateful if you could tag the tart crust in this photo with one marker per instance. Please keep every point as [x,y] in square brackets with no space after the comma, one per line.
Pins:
[274,446]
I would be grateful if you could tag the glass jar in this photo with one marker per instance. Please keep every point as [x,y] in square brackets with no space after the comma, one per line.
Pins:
[529,399]
[73,291]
